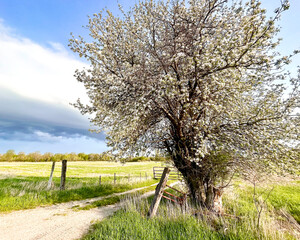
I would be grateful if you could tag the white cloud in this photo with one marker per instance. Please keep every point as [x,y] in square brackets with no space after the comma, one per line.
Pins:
[38,72]
[47,137]
[36,87]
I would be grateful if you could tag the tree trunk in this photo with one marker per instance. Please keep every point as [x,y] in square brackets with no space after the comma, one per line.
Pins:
[210,196]
[202,192]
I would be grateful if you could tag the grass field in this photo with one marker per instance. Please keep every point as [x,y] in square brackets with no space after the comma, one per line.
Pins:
[239,223]
[23,185]
[283,195]
[77,169]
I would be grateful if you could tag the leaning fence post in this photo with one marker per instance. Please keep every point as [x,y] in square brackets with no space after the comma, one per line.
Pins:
[51,176]
[63,174]
[159,192]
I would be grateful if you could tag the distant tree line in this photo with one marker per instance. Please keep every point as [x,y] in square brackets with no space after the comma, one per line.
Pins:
[12,156]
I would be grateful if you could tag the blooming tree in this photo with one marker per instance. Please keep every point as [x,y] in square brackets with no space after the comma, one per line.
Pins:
[199,80]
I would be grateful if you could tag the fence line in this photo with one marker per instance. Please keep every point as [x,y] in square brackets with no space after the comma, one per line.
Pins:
[173,175]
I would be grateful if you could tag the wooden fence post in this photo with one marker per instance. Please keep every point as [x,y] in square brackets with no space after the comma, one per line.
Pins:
[63,174]
[51,176]
[159,192]
[115,178]
[99,180]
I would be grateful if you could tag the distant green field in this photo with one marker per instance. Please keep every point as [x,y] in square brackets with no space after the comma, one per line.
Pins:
[77,169]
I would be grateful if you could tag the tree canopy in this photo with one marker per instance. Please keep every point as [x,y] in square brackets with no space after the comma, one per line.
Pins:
[200,80]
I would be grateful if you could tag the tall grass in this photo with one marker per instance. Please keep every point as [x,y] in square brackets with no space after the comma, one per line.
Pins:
[283,195]
[172,222]
[287,197]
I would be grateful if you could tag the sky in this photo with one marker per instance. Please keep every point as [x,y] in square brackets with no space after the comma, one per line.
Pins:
[37,67]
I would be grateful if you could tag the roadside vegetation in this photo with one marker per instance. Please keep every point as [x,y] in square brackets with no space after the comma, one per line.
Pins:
[28,192]
[283,196]
[239,220]
[116,199]
[24,185]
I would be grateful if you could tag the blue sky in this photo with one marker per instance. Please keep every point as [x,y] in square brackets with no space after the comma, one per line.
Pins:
[36,72]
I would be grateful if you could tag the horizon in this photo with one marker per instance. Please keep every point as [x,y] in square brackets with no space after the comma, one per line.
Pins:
[37,67]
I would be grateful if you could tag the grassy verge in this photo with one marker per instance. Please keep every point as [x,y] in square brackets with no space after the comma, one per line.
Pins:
[171,223]
[287,197]
[116,199]
[131,225]
[29,192]
[284,195]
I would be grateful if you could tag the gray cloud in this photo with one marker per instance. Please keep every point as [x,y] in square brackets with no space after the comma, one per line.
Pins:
[26,119]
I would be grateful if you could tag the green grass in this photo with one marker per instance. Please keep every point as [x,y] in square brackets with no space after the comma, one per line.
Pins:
[170,223]
[287,197]
[102,202]
[115,199]
[23,184]
[28,192]
[131,225]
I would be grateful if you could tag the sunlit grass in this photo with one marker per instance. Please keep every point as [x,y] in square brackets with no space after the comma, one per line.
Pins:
[24,184]
[132,223]
[78,169]
[172,223]
[287,197]
[28,192]
[116,199]
[281,195]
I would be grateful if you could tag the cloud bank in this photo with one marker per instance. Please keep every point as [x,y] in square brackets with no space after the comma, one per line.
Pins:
[38,72]
[36,87]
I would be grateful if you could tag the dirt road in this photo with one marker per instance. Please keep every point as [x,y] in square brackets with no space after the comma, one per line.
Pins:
[54,222]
